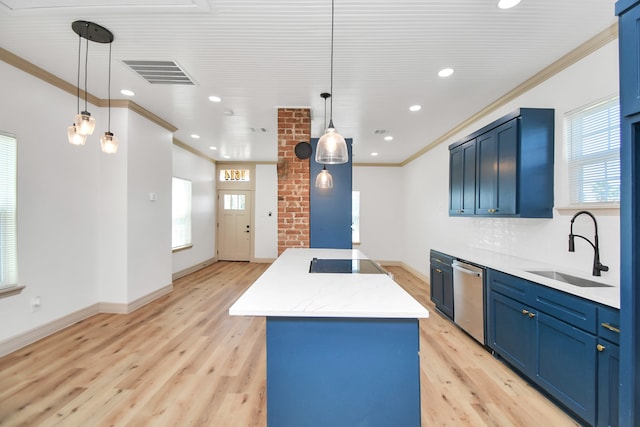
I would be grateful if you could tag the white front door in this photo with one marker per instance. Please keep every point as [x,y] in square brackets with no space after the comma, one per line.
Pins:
[234,225]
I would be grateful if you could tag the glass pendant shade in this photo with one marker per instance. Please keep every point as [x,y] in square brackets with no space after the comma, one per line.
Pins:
[75,137]
[109,143]
[332,148]
[324,179]
[85,123]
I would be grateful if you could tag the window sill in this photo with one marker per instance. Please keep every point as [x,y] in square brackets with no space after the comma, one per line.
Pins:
[11,290]
[181,248]
[600,208]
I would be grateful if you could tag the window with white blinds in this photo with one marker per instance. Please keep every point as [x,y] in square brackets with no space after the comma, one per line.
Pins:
[8,257]
[593,137]
[180,213]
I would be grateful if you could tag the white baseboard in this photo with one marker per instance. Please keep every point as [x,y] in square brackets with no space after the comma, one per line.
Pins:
[193,269]
[263,260]
[126,308]
[21,340]
[29,337]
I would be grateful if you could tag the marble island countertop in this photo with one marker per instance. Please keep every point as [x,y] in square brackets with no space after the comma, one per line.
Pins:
[287,289]
[520,267]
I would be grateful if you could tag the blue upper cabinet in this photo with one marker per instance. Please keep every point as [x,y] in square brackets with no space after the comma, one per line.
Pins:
[629,40]
[507,166]
[462,179]
[330,208]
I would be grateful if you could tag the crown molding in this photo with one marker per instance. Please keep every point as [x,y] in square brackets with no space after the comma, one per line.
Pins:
[40,73]
[596,42]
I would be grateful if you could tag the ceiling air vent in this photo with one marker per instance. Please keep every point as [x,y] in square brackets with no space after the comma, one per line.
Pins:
[160,72]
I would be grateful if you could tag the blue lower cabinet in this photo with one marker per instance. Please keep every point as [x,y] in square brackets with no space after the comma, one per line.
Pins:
[551,337]
[608,384]
[511,332]
[566,365]
[342,372]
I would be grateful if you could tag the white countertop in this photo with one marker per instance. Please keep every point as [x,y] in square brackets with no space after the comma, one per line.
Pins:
[518,267]
[287,289]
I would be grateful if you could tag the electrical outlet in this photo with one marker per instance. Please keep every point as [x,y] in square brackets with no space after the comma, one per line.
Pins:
[35,303]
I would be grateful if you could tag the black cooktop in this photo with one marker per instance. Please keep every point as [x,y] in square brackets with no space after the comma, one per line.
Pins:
[360,266]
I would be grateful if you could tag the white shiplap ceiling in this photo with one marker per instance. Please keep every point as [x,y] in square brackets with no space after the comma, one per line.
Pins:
[259,55]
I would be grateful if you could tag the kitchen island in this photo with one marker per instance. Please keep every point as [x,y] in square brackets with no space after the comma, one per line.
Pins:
[342,348]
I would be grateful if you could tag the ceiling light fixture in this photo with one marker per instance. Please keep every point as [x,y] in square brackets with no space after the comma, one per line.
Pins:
[127,92]
[73,132]
[194,136]
[324,179]
[332,148]
[508,4]
[445,72]
[415,108]
[85,124]
[388,138]
[214,98]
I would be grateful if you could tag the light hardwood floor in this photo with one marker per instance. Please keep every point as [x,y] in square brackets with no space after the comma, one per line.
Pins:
[183,361]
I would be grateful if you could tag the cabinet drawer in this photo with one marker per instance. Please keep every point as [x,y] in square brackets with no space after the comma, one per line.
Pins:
[568,308]
[609,324]
[440,260]
[510,286]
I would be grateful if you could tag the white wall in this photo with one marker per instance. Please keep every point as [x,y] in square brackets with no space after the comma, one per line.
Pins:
[266,201]
[202,174]
[426,221]
[87,232]
[58,203]
[381,202]
[149,169]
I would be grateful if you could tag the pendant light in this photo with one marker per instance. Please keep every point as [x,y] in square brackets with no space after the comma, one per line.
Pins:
[75,137]
[324,178]
[84,123]
[109,142]
[332,148]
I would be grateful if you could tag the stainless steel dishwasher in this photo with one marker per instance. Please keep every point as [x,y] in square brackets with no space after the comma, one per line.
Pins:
[468,298]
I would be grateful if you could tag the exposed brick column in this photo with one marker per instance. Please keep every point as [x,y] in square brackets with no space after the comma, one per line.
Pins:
[294,125]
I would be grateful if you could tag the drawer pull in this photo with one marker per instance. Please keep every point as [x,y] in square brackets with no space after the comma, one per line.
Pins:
[525,312]
[611,328]
[438,270]
[532,315]
[600,347]
[437,260]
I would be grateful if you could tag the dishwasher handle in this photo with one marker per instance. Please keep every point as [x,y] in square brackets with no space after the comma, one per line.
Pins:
[461,269]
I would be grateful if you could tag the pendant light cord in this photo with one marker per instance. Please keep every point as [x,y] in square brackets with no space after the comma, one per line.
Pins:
[86,66]
[331,85]
[109,91]
[78,81]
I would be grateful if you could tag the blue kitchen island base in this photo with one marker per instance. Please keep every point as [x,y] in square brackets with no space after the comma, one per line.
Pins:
[342,372]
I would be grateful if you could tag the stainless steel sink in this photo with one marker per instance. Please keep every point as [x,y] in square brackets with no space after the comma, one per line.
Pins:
[567,278]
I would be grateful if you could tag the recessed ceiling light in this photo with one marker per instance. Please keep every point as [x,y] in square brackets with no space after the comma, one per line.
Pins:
[213,148]
[127,92]
[415,108]
[227,157]
[388,138]
[445,72]
[374,154]
[507,4]
[214,98]
[194,136]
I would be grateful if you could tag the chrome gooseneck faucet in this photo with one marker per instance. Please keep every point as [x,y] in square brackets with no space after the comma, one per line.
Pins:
[597,265]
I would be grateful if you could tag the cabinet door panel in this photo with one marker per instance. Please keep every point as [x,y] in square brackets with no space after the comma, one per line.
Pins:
[462,179]
[566,365]
[436,285]
[511,331]
[608,384]
[487,164]
[629,42]
[447,293]
[507,181]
